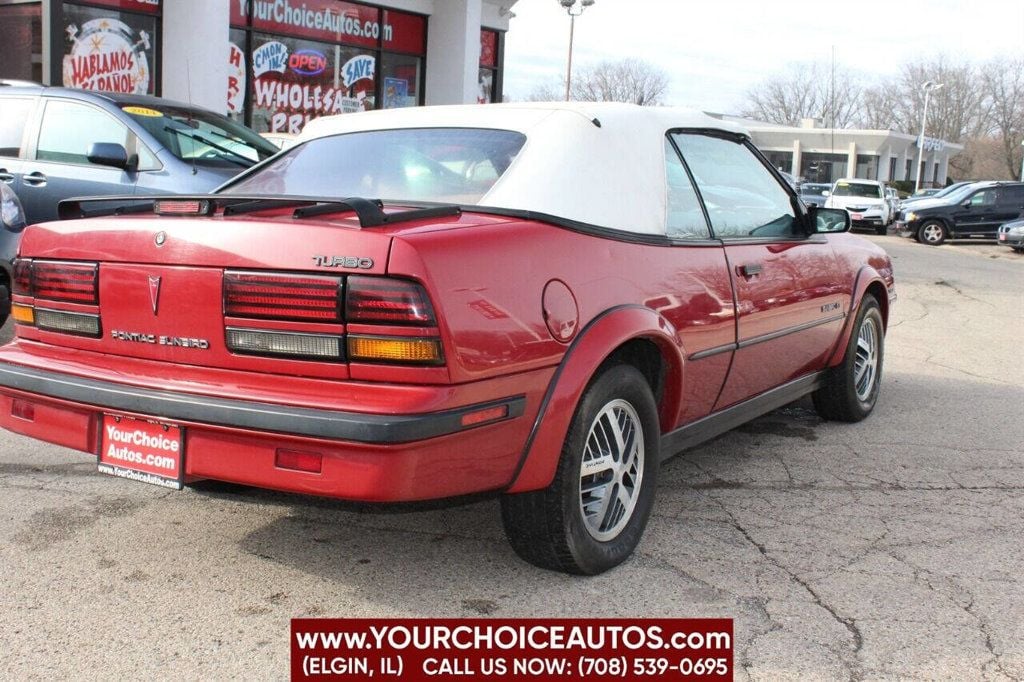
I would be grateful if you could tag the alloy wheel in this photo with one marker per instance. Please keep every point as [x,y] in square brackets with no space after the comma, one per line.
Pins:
[611,472]
[865,364]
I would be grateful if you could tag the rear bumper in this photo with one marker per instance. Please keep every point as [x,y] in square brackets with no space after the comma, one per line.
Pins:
[365,457]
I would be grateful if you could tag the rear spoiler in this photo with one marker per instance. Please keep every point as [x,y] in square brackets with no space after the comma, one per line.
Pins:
[370,212]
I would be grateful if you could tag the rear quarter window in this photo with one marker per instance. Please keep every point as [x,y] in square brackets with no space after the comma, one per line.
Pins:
[14,113]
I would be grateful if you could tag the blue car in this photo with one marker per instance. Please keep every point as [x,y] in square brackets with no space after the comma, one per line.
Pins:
[57,143]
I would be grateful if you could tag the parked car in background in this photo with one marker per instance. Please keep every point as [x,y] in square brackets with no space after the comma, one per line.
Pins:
[280,140]
[12,223]
[892,197]
[57,143]
[814,193]
[1012,234]
[938,194]
[974,211]
[925,192]
[353,318]
[865,200]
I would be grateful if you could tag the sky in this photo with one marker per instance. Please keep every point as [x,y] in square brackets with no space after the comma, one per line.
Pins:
[715,51]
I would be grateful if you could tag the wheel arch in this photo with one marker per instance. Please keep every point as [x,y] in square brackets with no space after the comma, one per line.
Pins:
[633,335]
[868,282]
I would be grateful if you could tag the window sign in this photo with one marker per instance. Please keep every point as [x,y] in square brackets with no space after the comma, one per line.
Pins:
[236,78]
[109,51]
[297,80]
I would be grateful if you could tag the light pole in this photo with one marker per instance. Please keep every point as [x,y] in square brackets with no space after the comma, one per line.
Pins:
[1022,163]
[570,7]
[928,86]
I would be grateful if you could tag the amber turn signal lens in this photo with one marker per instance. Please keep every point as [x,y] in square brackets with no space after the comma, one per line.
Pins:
[23,314]
[395,349]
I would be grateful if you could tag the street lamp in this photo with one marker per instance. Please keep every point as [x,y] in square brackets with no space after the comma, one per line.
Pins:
[928,86]
[570,7]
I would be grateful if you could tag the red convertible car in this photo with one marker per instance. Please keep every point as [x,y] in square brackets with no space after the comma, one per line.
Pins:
[537,301]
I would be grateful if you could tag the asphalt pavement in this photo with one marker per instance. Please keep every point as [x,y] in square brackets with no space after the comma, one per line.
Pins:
[892,548]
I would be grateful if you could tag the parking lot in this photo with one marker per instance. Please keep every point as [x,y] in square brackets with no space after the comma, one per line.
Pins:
[889,548]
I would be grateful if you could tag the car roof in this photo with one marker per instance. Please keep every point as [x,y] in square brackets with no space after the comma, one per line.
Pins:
[597,163]
[119,99]
[862,181]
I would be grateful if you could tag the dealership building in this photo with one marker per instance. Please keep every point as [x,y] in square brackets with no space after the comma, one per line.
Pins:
[272,64]
[819,154]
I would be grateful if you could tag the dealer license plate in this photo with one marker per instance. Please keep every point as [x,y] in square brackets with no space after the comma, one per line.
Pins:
[856,216]
[142,450]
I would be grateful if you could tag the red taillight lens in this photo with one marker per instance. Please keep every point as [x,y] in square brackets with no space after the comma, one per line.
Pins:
[181,207]
[71,282]
[380,300]
[23,277]
[282,297]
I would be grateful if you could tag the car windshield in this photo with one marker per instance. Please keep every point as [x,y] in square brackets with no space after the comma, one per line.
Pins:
[959,195]
[857,189]
[813,189]
[454,165]
[203,137]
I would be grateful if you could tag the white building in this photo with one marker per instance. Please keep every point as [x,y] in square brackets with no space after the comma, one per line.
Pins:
[819,154]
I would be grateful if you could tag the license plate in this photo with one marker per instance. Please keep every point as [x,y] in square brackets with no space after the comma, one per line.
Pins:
[857,216]
[1002,237]
[142,450]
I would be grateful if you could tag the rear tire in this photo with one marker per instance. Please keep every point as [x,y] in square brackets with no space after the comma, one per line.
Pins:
[591,517]
[932,233]
[851,389]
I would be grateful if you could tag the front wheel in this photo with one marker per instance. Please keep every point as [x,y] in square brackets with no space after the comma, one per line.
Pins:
[932,233]
[591,517]
[851,389]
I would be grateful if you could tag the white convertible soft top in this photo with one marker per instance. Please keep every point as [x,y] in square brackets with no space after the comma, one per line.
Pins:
[596,163]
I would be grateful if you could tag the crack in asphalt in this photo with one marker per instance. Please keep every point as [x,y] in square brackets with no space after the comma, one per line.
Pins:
[853,667]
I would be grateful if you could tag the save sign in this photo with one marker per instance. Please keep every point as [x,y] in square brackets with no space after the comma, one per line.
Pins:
[356,69]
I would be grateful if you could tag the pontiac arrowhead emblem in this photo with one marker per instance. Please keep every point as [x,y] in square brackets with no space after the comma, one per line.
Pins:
[154,291]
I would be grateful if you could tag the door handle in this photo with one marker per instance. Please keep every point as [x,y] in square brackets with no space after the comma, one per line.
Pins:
[5,176]
[36,179]
[749,270]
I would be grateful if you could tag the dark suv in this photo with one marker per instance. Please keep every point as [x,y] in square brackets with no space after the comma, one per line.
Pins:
[975,210]
[57,143]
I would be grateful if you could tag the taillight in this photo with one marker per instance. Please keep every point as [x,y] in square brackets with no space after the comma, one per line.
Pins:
[61,281]
[70,282]
[381,300]
[310,298]
[373,307]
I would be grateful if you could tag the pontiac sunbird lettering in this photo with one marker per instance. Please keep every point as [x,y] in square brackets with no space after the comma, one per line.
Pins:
[501,331]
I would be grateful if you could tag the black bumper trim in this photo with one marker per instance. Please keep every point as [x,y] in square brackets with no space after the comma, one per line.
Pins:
[243,414]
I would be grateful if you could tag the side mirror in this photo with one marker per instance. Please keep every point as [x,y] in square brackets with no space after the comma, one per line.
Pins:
[967,204]
[829,220]
[109,154]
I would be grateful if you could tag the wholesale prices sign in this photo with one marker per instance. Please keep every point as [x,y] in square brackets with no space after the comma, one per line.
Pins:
[504,649]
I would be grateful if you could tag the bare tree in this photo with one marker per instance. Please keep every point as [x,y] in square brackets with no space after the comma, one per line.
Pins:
[807,90]
[551,91]
[1003,81]
[628,80]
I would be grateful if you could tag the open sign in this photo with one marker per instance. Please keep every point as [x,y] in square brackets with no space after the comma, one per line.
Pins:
[307,62]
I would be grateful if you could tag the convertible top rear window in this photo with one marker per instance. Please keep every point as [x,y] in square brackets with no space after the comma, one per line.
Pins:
[453,165]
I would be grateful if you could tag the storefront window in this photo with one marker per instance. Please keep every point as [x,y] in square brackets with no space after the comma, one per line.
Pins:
[238,72]
[489,58]
[330,58]
[109,49]
[21,42]
[402,77]
[296,80]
